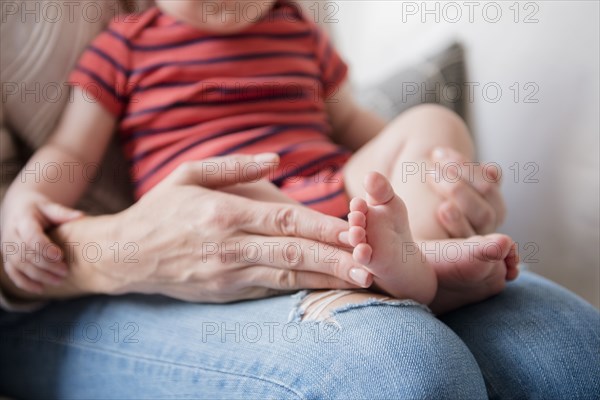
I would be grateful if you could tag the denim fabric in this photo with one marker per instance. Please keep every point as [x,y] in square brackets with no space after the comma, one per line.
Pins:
[534,340]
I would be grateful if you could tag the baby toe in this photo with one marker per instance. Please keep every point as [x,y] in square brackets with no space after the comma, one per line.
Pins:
[362,254]
[358,204]
[356,235]
[356,218]
[379,190]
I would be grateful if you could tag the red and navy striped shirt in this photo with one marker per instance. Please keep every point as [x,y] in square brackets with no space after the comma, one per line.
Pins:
[182,94]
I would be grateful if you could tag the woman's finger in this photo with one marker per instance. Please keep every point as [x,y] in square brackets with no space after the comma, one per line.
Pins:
[39,249]
[303,255]
[278,219]
[38,275]
[453,221]
[480,214]
[219,172]
[490,191]
[286,280]
[21,280]
[58,214]
[483,178]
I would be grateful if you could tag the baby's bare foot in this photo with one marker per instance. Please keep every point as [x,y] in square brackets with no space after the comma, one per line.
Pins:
[471,270]
[381,236]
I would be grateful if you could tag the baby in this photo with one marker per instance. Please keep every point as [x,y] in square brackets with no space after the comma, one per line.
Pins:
[189,79]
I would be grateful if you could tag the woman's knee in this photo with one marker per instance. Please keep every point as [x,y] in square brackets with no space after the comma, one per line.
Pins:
[384,348]
[536,339]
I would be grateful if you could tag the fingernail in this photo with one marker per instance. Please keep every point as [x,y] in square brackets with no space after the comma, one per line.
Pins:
[266,157]
[360,276]
[439,153]
[343,237]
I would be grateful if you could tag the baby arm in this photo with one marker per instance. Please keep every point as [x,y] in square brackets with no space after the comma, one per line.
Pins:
[35,203]
[353,125]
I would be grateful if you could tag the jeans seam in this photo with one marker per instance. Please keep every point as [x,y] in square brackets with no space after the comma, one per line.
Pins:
[178,364]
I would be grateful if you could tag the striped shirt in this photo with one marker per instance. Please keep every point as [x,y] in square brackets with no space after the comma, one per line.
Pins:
[182,94]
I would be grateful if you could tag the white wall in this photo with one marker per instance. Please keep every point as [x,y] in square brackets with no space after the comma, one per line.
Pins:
[559,135]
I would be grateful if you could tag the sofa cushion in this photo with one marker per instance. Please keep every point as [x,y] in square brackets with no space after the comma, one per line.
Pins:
[38,53]
[438,79]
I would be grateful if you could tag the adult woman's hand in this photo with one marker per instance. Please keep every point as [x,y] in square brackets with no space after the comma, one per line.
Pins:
[474,204]
[186,240]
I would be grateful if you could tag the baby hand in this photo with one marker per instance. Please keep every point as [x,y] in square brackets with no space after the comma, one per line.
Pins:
[29,256]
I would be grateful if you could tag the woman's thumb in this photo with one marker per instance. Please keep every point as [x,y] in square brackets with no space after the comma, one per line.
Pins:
[59,214]
[217,172]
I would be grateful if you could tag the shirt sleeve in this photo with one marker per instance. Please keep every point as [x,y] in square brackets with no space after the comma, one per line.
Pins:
[333,68]
[102,71]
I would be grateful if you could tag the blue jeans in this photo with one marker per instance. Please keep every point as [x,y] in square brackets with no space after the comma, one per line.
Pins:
[535,340]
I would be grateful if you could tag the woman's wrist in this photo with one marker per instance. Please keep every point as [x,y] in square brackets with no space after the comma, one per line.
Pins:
[89,246]
[101,257]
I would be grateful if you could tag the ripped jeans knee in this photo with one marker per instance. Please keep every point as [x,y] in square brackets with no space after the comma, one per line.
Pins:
[369,345]
[326,304]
